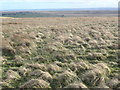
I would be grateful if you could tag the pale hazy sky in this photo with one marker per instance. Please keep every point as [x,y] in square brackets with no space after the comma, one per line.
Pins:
[56,4]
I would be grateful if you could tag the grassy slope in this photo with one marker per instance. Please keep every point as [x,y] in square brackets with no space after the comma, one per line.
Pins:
[62,47]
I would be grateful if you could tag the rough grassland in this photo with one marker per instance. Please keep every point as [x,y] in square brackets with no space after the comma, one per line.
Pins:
[74,52]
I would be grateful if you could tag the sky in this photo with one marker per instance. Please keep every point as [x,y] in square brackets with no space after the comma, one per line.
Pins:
[56,4]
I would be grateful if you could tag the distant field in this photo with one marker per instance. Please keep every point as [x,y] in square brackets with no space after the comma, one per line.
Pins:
[58,13]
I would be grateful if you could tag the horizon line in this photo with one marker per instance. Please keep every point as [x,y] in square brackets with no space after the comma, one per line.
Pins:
[99,8]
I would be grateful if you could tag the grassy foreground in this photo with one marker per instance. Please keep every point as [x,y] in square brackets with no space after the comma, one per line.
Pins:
[74,52]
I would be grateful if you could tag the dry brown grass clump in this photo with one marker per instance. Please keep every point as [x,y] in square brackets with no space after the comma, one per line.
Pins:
[53,68]
[12,75]
[79,66]
[36,83]
[114,83]
[96,75]
[96,55]
[41,74]
[65,55]
[64,79]
[22,43]
[24,71]
[37,66]
[7,49]
[79,85]
[5,85]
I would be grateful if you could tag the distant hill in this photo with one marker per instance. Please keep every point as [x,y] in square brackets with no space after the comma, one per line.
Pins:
[61,12]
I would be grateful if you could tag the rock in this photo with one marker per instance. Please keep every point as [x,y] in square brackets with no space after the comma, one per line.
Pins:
[36,83]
